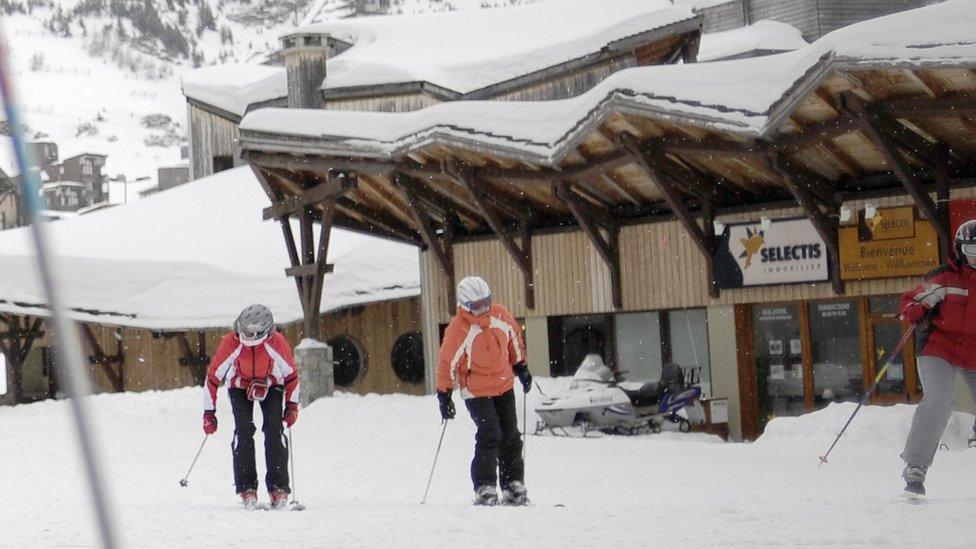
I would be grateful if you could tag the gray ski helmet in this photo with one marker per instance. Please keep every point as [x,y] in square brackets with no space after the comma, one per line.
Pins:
[254,323]
[965,243]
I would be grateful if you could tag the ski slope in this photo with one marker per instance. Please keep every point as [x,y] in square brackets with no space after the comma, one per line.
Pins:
[363,462]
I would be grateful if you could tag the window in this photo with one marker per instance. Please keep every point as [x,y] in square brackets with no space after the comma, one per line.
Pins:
[639,345]
[573,337]
[88,167]
[347,361]
[835,347]
[407,357]
[221,163]
[3,374]
[688,335]
[779,361]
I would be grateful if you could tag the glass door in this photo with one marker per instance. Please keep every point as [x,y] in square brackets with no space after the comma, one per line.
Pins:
[779,361]
[884,331]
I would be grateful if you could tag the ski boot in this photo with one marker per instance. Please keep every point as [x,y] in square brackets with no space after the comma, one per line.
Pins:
[250,499]
[485,495]
[515,494]
[279,499]
[914,481]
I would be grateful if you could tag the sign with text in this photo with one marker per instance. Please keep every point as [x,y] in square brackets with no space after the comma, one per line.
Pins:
[893,243]
[789,250]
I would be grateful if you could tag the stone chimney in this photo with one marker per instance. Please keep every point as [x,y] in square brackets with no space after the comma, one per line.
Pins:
[305,54]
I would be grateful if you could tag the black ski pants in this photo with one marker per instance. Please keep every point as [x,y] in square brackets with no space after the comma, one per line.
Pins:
[275,449]
[498,443]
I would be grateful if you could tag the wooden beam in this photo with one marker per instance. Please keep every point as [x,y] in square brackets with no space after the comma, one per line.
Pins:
[708,223]
[404,184]
[307,270]
[814,134]
[323,192]
[321,263]
[708,145]
[597,165]
[317,164]
[371,218]
[477,193]
[889,150]
[608,248]
[619,188]
[949,104]
[650,163]
[824,227]
[99,358]
[930,89]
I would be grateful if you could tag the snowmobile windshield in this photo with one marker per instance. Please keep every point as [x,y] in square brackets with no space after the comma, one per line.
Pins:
[479,307]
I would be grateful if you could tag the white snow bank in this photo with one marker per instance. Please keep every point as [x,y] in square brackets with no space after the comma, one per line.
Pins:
[740,95]
[362,463]
[765,36]
[192,257]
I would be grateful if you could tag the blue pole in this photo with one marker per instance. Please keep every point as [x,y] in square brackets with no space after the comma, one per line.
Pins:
[71,369]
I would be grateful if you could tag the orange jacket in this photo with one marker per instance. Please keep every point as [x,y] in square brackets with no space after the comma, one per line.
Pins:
[478,353]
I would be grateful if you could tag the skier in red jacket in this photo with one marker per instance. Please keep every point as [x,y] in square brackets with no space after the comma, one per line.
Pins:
[945,304]
[256,363]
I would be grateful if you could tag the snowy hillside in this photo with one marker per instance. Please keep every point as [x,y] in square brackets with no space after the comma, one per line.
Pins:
[102,76]
[362,463]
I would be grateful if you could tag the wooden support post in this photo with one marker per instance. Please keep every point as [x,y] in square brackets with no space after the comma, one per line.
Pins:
[827,229]
[494,220]
[15,343]
[942,211]
[889,150]
[421,216]
[608,247]
[99,358]
[708,223]
[650,164]
[525,230]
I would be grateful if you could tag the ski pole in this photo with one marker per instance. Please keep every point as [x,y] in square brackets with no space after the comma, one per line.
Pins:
[436,453]
[525,433]
[291,456]
[183,480]
[874,384]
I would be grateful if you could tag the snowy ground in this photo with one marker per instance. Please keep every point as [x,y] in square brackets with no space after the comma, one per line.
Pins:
[363,462]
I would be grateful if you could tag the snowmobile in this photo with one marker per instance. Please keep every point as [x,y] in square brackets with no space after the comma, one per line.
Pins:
[595,401]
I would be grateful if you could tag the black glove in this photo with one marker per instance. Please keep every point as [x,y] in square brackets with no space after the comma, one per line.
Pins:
[522,371]
[447,405]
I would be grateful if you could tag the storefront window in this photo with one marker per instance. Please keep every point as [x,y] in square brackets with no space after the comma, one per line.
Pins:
[689,343]
[639,345]
[779,361]
[887,304]
[886,338]
[573,337]
[835,346]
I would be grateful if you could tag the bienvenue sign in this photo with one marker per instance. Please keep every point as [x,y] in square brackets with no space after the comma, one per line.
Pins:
[788,251]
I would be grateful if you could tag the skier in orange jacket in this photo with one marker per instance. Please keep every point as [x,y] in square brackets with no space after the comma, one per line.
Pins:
[482,353]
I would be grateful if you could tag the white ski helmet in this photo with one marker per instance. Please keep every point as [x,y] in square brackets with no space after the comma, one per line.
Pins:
[254,324]
[474,295]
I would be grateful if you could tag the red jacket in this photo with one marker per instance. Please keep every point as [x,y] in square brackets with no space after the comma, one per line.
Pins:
[951,334]
[478,353]
[238,365]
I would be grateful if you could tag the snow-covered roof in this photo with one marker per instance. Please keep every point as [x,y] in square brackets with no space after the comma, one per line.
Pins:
[748,96]
[192,258]
[62,183]
[234,86]
[459,51]
[762,36]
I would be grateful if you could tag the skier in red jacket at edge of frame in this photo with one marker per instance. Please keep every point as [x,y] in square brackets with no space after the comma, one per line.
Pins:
[945,306]
[256,363]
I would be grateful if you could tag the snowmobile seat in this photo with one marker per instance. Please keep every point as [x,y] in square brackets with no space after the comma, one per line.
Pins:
[648,394]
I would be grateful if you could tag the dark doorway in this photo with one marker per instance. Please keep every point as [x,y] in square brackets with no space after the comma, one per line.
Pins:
[573,337]
[221,163]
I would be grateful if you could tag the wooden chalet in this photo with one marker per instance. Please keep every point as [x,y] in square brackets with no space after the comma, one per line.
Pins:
[623,210]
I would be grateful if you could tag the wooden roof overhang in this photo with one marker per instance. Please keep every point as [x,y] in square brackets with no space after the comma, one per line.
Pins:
[844,131]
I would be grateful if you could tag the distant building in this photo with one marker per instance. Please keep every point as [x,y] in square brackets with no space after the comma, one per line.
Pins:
[74,183]
[169,177]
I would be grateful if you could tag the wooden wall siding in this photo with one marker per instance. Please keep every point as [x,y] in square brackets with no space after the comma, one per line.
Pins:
[569,85]
[721,17]
[153,363]
[835,14]
[210,136]
[661,268]
[383,103]
[374,328]
[802,14]
[8,210]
